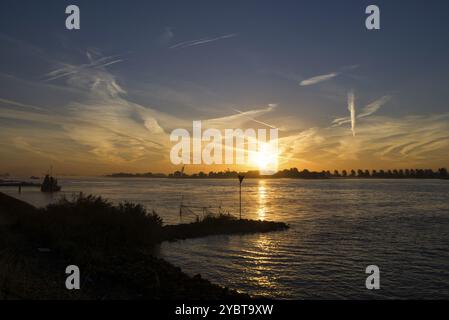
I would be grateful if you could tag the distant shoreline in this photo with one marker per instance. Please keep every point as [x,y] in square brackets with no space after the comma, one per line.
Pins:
[295,174]
[272,178]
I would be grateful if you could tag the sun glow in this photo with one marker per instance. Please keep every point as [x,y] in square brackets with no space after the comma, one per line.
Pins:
[266,159]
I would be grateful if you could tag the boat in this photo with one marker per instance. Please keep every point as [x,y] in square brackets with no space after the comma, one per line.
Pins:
[50,184]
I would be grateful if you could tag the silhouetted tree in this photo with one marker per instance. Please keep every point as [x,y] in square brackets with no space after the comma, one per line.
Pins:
[306,174]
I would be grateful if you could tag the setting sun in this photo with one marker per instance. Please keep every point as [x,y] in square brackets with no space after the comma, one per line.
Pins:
[266,158]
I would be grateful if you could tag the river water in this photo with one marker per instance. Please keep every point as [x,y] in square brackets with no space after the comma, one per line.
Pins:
[338,228]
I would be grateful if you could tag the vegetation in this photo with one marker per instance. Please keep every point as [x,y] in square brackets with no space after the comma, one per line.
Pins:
[94,223]
[112,244]
[294,173]
[221,224]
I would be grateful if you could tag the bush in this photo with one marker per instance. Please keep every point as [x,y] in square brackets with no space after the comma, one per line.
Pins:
[92,225]
[222,217]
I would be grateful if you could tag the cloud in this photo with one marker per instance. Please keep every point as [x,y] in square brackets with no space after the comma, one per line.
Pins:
[326,77]
[351,108]
[366,111]
[102,123]
[373,107]
[271,106]
[97,128]
[18,104]
[381,142]
[318,79]
[106,130]
[94,63]
[239,120]
[201,41]
[103,127]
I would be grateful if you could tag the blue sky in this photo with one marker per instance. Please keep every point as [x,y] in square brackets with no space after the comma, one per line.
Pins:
[138,69]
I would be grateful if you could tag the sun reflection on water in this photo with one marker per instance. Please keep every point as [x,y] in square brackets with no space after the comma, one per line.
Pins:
[261,263]
[262,194]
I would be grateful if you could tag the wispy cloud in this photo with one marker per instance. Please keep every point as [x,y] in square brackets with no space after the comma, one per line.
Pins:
[201,41]
[365,112]
[102,128]
[18,104]
[318,79]
[381,142]
[240,119]
[69,69]
[271,106]
[327,77]
[373,107]
[351,108]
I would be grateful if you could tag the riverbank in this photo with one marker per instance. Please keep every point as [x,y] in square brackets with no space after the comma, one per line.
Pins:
[16,183]
[112,245]
[294,173]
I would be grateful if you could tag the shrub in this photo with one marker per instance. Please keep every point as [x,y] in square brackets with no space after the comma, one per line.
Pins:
[94,225]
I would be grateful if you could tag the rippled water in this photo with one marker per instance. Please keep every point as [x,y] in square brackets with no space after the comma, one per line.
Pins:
[338,228]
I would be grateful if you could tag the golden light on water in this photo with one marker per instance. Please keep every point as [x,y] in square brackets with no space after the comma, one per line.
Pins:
[262,194]
[262,261]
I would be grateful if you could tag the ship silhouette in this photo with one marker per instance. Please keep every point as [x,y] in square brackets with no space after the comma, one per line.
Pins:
[50,184]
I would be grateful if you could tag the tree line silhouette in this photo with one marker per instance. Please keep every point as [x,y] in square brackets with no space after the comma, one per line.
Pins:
[441,173]
[381,174]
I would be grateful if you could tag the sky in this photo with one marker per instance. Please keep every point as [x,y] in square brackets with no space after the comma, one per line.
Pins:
[105,98]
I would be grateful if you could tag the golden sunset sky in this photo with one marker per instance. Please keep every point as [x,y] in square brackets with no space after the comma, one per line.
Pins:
[105,98]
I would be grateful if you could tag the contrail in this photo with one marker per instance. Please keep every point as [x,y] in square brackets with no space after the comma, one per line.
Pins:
[318,79]
[18,104]
[351,108]
[252,119]
[197,42]
[68,70]
[364,112]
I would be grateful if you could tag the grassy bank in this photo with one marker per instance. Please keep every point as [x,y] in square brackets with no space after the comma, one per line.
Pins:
[221,224]
[112,245]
